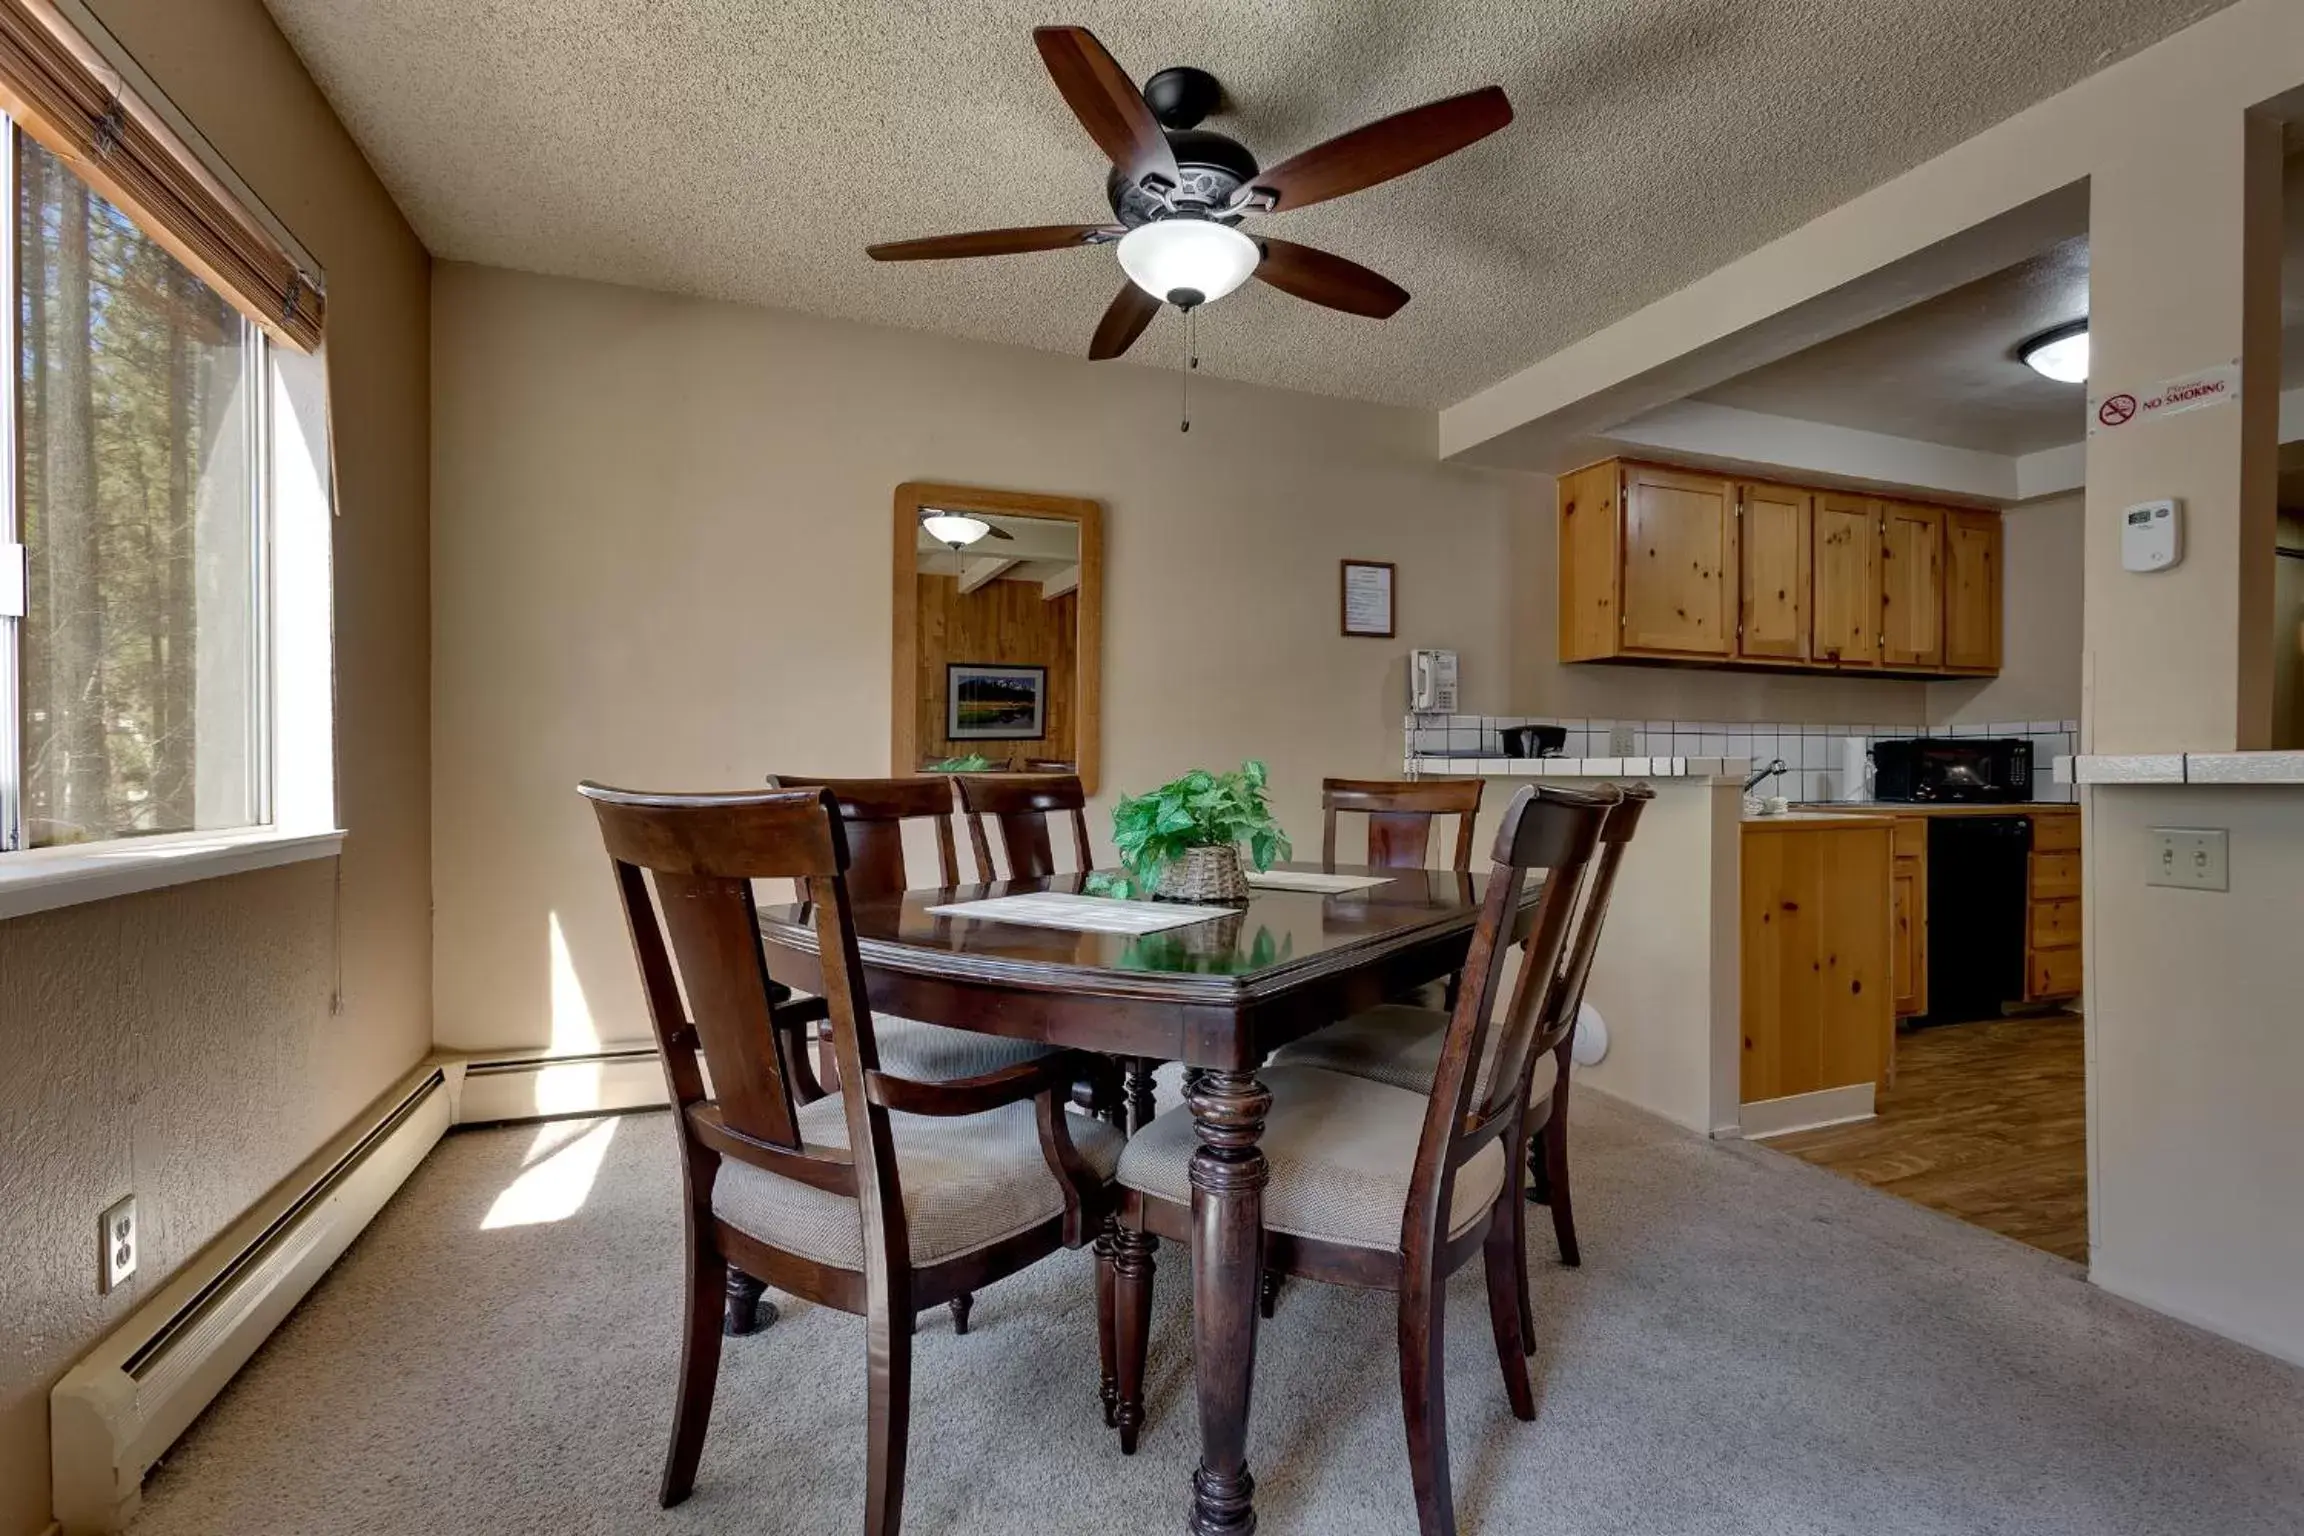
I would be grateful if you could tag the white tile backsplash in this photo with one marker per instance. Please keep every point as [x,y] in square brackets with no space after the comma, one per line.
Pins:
[1812,752]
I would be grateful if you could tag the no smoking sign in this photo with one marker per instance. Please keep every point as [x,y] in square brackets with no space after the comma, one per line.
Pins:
[2169,397]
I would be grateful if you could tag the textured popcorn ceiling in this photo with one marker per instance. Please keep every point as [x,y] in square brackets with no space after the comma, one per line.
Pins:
[749,150]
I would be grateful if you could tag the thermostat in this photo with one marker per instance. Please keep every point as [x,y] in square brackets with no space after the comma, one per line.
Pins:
[2152,536]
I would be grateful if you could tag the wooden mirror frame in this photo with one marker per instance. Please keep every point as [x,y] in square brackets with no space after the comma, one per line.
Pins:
[1088,708]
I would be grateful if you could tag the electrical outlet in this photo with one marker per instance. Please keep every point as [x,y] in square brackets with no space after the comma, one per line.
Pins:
[2191,858]
[120,1244]
[1620,738]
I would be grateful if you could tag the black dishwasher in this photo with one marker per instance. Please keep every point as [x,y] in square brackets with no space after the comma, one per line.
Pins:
[1978,899]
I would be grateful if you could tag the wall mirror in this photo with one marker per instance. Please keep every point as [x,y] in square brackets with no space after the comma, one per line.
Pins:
[999,630]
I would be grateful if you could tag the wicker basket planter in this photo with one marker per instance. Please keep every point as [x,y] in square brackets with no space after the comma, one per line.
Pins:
[1204,874]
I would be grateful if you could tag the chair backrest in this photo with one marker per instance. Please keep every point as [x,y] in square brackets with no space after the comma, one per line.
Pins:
[1021,804]
[875,811]
[699,938]
[1554,830]
[1400,813]
[1567,997]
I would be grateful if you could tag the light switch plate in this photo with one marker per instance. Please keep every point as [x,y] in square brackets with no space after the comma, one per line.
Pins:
[2191,858]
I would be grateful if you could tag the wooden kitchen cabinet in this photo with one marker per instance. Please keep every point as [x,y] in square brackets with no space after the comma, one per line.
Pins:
[1971,591]
[1671,565]
[2052,926]
[1817,955]
[1680,568]
[1908,899]
[1774,553]
[1847,581]
[1911,585]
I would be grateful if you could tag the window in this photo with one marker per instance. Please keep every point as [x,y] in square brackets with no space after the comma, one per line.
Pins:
[141,677]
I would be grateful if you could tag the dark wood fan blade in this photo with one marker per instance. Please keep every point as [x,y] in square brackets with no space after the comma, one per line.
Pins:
[1331,280]
[1123,323]
[993,242]
[1389,147]
[997,531]
[1106,101]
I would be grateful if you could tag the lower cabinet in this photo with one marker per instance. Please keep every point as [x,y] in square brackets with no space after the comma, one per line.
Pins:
[2052,929]
[1818,936]
[1909,900]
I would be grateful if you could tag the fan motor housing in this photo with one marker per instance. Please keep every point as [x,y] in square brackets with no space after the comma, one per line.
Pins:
[1211,167]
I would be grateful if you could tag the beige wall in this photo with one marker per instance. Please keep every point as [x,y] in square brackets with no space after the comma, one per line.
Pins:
[2041,574]
[180,1044]
[661,558]
[2195,1062]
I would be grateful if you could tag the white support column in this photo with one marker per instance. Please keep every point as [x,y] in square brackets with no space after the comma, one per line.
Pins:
[2184,275]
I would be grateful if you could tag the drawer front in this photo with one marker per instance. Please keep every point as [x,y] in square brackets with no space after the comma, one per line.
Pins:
[2056,924]
[2056,834]
[2055,973]
[2055,874]
[1911,837]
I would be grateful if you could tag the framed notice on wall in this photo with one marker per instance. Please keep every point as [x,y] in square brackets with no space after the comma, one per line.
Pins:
[1368,598]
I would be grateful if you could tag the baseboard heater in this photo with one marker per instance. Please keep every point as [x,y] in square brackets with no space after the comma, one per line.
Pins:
[615,1077]
[117,1411]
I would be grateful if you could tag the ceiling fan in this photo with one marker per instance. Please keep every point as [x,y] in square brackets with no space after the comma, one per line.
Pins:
[957,530]
[1178,191]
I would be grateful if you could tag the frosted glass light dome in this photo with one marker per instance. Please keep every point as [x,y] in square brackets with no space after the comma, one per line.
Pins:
[1187,261]
[2060,354]
[955,528]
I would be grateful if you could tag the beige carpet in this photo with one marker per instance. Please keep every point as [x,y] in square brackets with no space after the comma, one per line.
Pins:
[1751,1346]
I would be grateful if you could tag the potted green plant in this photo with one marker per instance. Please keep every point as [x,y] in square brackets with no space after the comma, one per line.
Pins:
[1181,842]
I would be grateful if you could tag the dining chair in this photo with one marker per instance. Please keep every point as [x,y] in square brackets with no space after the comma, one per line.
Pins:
[886,1196]
[1020,804]
[1400,814]
[873,813]
[1401,1045]
[1382,1188]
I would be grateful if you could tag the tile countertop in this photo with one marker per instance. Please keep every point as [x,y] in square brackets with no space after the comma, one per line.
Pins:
[1918,808]
[1812,821]
[2183,768]
[1712,768]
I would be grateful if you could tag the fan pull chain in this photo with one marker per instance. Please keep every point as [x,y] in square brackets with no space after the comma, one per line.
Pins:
[1191,361]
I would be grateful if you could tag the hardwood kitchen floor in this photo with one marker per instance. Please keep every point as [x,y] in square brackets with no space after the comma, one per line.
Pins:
[1987,1122]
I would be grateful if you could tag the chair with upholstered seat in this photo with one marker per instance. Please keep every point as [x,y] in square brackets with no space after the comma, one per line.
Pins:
[874,812]
[1400,1045]
[1020,804]
[889,1195]
[1382,1188]
[1400,814]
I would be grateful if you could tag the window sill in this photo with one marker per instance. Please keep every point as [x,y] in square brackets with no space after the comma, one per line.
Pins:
[42,879]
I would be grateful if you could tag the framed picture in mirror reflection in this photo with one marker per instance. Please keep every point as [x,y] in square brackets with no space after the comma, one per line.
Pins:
[984,702]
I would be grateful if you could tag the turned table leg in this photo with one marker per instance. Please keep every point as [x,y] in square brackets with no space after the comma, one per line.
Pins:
[1228,1174]
[746,1312]
[1138,1091]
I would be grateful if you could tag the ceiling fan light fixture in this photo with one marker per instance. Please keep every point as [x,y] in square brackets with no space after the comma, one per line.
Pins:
[1187,261]
[957,529]
[2060,354]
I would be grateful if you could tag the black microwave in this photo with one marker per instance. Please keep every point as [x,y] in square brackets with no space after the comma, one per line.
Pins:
[1937,769]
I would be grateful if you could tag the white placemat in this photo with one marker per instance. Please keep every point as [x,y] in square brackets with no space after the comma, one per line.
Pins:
[1083,914]
[1313,880]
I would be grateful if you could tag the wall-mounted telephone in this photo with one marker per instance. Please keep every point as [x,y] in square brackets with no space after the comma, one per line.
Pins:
[1432,682]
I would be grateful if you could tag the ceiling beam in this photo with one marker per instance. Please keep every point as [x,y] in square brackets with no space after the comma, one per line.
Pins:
[977,573]
[1063,581]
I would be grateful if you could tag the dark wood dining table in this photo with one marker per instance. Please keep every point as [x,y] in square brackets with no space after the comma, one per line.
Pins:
[1218,996]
